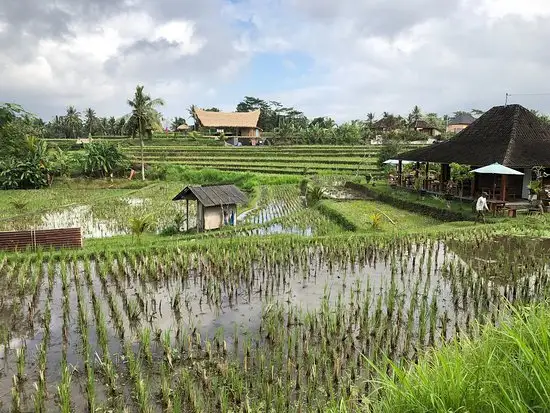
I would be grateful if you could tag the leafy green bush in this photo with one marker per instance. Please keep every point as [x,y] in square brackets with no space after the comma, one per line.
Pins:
[389,151]
[140,224]
[314,195]
[101,159]
[247,181]
[376,221]
[505,369]
[22,175]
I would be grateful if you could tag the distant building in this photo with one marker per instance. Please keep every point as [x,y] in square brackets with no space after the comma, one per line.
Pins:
[460,122]
[388,124]
[239,126]
[510,135]
[216,205]
[424,127]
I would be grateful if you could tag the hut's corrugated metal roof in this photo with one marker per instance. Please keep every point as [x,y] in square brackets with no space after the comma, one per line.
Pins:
[228,119]
[213,195]
[510,135]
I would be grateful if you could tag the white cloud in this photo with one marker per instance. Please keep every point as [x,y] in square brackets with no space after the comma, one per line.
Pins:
[182,33]
[497,9]
[363,56]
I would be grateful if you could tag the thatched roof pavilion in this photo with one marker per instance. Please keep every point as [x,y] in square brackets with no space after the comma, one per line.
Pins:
[510,135]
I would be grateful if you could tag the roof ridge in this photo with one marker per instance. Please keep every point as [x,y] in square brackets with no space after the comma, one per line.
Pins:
[513,134]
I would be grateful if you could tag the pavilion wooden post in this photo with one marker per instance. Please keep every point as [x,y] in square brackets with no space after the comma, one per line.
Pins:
[400,172]
[473,191]
[426,179]
[504,187]
[187,214]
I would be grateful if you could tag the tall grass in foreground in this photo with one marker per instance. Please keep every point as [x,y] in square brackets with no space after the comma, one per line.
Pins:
[505,369]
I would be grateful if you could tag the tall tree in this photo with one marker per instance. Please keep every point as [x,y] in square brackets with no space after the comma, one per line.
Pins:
[192,110]
[112,126]
[121,123]
[370,118]
[415,115]
[73,123]
[143,117]
[90,121]
[178,121]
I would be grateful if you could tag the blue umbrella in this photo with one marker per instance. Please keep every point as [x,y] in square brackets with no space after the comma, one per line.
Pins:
[497,169]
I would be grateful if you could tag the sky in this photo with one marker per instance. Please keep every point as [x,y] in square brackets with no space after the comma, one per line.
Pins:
[341,59]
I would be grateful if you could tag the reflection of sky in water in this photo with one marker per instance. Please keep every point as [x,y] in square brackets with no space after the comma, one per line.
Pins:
[83,217]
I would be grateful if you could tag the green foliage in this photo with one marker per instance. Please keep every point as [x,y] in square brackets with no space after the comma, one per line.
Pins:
[376,220]
[506,369]
[389,151]
[28,166]
[245,180]
[460,174]
[14,136]
[336,216]
[272,114]
[194,135]
[12,111]
[140,224]
[304,185]
[535,186]
[178,121]
[314,195]
[19,204]
[101,159]
[22,175]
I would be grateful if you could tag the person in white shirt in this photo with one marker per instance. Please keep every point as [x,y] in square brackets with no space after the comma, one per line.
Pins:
[481,207]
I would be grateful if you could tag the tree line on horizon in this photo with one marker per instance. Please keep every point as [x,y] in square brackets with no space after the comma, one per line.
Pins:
[284,122]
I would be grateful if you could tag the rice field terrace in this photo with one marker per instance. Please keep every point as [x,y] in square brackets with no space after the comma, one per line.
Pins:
[345,160]
[103,213]
[248,324]
[99,212]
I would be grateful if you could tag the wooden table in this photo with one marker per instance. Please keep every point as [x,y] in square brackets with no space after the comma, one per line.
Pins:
[495,205]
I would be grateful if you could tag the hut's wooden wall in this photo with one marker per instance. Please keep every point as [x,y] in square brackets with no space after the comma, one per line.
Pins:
[47,238]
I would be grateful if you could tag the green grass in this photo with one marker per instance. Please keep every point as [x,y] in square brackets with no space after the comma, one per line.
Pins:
[464,206]
[361,214]
[265,159]
[505,370]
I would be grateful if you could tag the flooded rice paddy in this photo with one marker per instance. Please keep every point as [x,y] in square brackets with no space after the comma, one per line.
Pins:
[281,326]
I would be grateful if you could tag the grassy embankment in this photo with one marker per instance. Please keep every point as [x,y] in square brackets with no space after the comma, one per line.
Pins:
[296,160]
[506,369]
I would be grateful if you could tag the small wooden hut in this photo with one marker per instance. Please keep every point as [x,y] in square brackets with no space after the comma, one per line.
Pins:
[216,205]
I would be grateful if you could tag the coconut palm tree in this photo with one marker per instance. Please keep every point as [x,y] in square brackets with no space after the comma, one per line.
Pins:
[91,121]
[73,123]
[143,118]
[112,125]
[415,115]
[178,121]
[121,123]
[192,110]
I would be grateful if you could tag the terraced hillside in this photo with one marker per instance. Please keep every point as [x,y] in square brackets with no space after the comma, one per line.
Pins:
[343,160]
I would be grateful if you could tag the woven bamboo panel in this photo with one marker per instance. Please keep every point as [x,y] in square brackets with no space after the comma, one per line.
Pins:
[41,238]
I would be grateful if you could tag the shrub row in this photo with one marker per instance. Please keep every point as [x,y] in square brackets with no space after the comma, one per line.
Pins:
[336,216]
[418,208]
